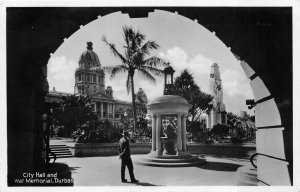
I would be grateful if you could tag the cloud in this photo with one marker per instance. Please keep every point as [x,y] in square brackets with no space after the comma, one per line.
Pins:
[179,60]
[61,73]
[61,69]
[235,83]
[199,65]
[119,86]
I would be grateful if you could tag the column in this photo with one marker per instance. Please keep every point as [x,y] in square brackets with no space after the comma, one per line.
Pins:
[101,109]
[95,106]
[107,109]
[158,129]
[153,133]
[183,133]
[110,108]
[179,133]
[213,118]
[208,120]
[113,110]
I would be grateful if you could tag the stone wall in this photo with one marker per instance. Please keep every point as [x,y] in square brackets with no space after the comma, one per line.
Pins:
[107,149]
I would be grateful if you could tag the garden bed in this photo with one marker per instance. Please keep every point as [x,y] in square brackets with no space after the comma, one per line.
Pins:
[107,149]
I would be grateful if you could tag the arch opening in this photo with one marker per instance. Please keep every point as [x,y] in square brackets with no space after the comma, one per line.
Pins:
[246,53]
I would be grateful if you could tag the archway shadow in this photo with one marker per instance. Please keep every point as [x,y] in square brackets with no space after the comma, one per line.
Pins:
[220,166]
[144,184]
[229,157]
[73,169]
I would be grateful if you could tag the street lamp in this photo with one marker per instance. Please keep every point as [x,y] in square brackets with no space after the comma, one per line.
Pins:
[168,71]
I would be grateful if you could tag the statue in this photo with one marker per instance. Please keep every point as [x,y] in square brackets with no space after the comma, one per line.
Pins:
[169,140]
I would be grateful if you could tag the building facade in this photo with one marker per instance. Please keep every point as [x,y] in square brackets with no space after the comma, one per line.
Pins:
[218,114]
[90,80]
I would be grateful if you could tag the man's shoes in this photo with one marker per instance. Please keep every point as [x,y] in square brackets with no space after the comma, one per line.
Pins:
[135,181]
[124,180]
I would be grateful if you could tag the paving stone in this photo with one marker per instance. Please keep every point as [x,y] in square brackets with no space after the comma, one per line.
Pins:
[105,171]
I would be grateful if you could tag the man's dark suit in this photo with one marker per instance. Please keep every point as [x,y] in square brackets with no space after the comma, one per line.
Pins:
[124,154]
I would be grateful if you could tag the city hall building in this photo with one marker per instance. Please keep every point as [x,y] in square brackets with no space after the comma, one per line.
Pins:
[90,80]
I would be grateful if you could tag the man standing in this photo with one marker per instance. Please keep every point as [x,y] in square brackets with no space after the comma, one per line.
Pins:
[124,154]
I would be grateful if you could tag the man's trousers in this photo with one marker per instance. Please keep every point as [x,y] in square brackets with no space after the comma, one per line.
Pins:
[127,162]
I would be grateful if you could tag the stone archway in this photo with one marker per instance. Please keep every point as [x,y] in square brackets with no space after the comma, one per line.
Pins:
[260,37]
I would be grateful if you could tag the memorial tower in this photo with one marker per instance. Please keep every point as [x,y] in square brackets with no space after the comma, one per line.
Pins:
[218,114]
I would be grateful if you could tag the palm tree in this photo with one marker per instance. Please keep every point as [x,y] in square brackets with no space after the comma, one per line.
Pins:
[136,57]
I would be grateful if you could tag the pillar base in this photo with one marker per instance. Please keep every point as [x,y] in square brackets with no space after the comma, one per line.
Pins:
[155,153]
[170,160]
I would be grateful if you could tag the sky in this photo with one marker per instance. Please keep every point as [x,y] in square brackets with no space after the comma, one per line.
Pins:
[183,42]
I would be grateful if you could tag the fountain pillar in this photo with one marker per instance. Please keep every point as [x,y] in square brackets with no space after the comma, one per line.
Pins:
[179,133]
[183,133]
[158,130]
[153,133]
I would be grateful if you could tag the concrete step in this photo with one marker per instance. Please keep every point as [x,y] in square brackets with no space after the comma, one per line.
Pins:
[53,148]
[242,182]
[246,176]
[247,172]
[161,161]
[160,164]
[61,156]
[60,151]
[177,160]
[56,145]
[65,149]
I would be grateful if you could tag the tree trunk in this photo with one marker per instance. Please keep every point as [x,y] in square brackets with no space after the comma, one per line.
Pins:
[133,103]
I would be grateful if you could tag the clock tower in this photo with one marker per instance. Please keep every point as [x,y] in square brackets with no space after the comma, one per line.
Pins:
[217,115]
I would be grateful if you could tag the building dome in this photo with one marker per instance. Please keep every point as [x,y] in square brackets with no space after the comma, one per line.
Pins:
[89,58]
[169,104]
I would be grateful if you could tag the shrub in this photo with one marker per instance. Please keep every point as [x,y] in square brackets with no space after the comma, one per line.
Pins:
[143,131]
[97,132]
[197,131]
[59,131]
[236,140]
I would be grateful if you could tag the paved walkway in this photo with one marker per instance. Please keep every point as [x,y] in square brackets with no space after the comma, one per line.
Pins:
[105,171]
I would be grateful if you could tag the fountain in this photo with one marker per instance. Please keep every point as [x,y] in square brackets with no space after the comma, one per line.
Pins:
[169,112]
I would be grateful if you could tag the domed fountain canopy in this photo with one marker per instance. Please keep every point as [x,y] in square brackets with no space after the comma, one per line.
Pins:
[169,104]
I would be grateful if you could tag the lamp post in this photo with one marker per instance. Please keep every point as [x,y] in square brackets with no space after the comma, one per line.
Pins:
[168,72]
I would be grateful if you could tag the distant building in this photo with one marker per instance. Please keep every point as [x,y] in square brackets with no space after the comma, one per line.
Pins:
[90,79]
[218,114]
